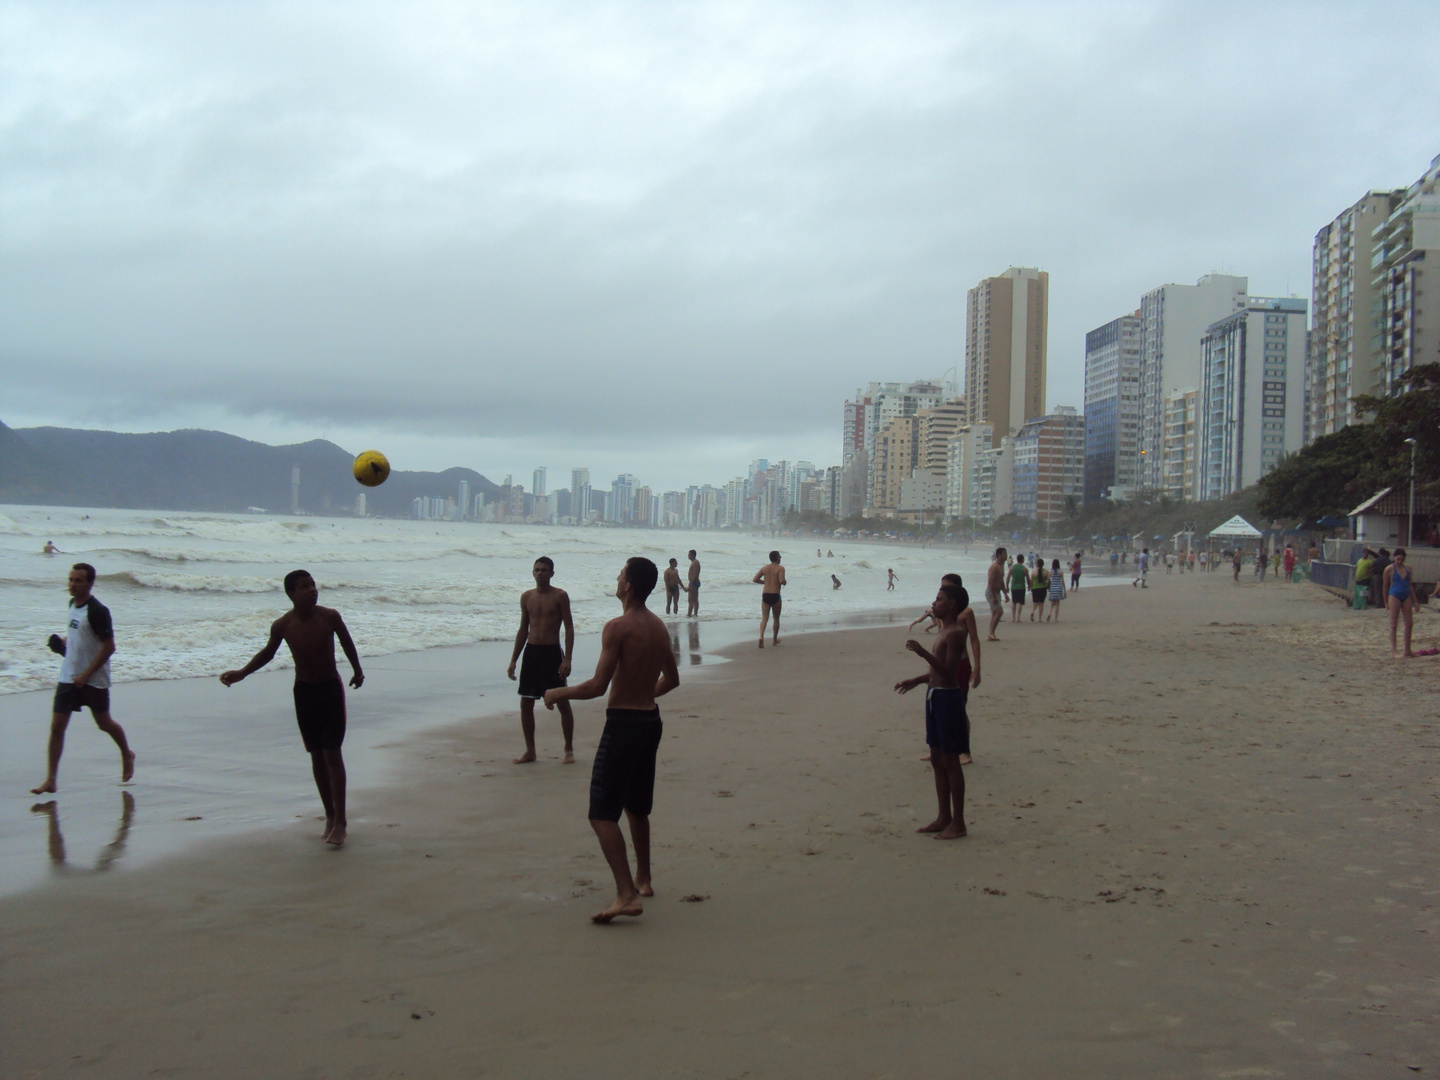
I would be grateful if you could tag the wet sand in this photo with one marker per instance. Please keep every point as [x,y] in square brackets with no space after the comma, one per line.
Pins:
[1199,847]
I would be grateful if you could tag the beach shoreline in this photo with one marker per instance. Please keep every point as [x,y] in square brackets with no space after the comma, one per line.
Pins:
[1179,864]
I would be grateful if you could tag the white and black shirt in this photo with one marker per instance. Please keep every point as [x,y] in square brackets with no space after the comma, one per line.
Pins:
[90,626]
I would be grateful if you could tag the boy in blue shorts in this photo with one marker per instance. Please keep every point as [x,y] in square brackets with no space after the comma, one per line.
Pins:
[946,725]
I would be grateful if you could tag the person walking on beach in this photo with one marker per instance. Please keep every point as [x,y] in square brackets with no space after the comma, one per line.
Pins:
[772,577]
[1399,597]
[88,644]
[1142,568]
[692,608]
[1289,564]
[1057,591]
[310,631]
[890,583]
[637,666]
[1019,583]
[947,728]
[672,588]
[995,591]
[1039,586]
[543,611]
[1075,572]
[1235,561]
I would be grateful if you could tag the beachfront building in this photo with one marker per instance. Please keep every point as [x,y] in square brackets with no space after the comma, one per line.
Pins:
[537,481]
[896,453]
[620,507]
[963,455]
[1049,469]
[938,426]
[1251,411]
[1343,365]
[1112,407]
[1173,318]
[992,495]
[462,503]
[360,504]
[874,407]
[922,497]
[580,495]
[1405,261]
[1006,327]
[1180,448]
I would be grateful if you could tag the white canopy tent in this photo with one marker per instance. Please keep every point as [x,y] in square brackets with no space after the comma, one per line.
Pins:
[1237,528]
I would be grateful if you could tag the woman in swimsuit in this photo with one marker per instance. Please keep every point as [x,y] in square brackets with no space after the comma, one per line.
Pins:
[1399,597]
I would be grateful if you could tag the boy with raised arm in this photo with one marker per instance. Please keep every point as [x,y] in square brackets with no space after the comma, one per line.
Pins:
[310,631]
[638,666]
[543,610]
[772,577]
[946,725]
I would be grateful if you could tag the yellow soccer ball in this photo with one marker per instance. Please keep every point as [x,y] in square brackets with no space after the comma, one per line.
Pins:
[372,468]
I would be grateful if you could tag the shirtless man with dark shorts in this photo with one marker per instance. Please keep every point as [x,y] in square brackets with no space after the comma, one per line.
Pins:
[995,592]
[638,666]
[543,610]
[310,630]
[693,586]
[772,577]
[672,588]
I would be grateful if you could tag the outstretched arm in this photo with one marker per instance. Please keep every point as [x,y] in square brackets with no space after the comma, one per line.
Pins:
[260,659]
[904,686]
[521,636]
[598,683]
[347,643]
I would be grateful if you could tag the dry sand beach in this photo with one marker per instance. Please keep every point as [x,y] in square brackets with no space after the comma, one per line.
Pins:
[1200,845]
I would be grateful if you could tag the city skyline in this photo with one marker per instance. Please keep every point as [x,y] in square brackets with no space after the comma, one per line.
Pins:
[600,237]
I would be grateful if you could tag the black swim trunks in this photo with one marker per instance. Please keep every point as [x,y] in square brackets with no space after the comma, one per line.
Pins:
[623,777]
[70,698]
[770,598]
[540,670]
[947,728]
[320,712]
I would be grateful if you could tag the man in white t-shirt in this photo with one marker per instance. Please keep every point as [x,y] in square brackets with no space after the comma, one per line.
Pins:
[84,674]
[1142,565]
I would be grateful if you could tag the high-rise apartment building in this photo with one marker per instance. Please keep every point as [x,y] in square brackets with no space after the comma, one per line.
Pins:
[1251,411]
[1180,448]
[1112,406]
[938,425]
[962,459]
[1049,468]
[1006,328]
[873,408]
[1343,362]
[537,481]
[897,449]
[1173,318]
[993,493]
[580,494]
[1405,261]
[462,503]
[621,507]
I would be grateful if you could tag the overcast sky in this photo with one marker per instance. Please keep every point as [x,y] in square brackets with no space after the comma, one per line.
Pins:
[654,238]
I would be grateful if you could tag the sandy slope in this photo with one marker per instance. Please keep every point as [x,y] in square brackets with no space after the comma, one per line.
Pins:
[1198,848]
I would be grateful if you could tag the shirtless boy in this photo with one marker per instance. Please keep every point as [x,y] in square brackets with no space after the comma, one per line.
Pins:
[772,577]
[947,729]
[543,610]
[84,675]
[310,631]
[693,586]
[638,666]
[995,591]
[672,588]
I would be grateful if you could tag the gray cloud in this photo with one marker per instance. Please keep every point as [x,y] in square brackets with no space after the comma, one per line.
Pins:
[641,230]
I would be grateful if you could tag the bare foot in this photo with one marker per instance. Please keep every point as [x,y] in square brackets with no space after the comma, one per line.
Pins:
[329,828]
[619,906]
[954,832]
[775,642]
[569,757]
[966,759]
[525,758]
[935,826]
[336,836]
[47,788]
[992,637]
[762,643]
[127,767]
[644,888]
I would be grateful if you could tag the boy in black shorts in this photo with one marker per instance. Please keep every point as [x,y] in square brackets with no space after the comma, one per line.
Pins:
[310,630]
[638,666]
[543,611]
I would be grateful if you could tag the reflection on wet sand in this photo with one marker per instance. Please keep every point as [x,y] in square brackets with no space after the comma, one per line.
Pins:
[694,644]
[108,854]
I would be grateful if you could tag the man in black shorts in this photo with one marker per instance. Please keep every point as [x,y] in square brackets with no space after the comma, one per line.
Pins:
[638,666]
[310,631]
[84,675]
[771,577]
[543,611]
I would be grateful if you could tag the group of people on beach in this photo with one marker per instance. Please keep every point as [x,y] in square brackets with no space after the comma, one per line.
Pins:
[1017,580]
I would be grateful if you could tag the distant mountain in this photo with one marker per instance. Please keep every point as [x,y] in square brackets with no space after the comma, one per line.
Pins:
[200,470]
